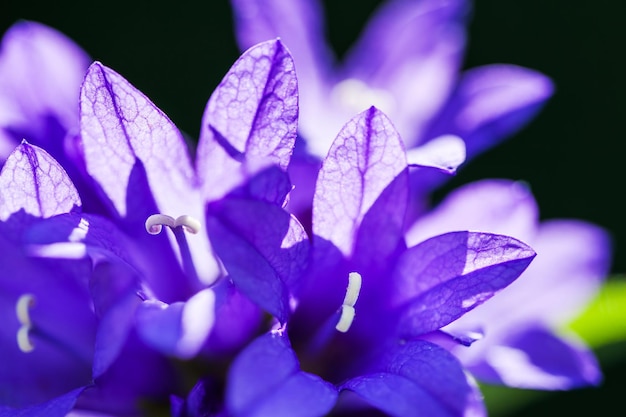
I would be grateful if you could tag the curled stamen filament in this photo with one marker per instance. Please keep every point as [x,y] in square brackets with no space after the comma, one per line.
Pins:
[347,308]
[22,308]
[155,223]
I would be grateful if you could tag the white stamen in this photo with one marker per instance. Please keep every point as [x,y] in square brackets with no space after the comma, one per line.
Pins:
[22,307]
[155,223]
[188,223]
[347,308]
[23,341]
[346,319]
[353,290]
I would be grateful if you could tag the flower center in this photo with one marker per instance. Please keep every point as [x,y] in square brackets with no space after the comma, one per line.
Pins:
[355,95]
[154,225]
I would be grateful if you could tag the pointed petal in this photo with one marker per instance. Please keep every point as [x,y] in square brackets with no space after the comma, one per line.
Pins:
[444,153]
[417,378]
[31,180]
[251,116]
[412,50]
[535,358]
[57,407]
[365,173]
[40,75]
[265,379]
[299,25]
[491,103]
[121,128]
[179,329]
[574,258]
[263,248]
[442,278]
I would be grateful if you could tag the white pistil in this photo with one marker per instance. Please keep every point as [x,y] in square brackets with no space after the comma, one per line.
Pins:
[22,308]
[155,223]
[347,308]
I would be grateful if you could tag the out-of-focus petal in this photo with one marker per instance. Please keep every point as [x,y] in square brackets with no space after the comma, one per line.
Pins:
[179,329]
[263,248]
[442,278]
[265,379]
[412,50]
[40,75]
[444,153]
[535,358]
[31,180]
[57,407]
[491,103]
[363,178]
[251,117]
[416,378]
[495,206]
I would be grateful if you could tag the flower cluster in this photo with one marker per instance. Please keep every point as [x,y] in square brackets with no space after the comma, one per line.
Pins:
[137,281]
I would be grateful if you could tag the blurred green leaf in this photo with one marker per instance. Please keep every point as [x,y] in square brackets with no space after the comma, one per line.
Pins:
[604,321]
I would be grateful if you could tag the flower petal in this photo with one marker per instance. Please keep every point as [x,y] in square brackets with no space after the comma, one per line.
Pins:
[31,180]
[265,379]
[491,103]
[299,25]
[251,117]
[57,407]
[364,174]
[442,278]
[535,358]
[444,153]
[120,129]
[140,160]
[263,248]
[179,329]
[417,378]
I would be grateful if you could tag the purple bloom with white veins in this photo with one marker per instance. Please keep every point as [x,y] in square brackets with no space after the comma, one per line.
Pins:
[524,347]
[407,63]
[377,340]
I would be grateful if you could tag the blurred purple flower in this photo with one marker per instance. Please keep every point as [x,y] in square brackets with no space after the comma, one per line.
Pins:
[524,346]
[407,63]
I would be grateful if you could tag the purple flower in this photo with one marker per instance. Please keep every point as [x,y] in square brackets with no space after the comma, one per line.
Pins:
[56,322]
[521,343]
[379,338]
[407,63]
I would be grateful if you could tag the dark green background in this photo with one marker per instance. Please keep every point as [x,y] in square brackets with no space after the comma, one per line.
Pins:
[572,155]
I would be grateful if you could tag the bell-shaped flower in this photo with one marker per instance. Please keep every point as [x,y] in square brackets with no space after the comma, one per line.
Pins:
[376,342]
[521,340]
[218,215]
